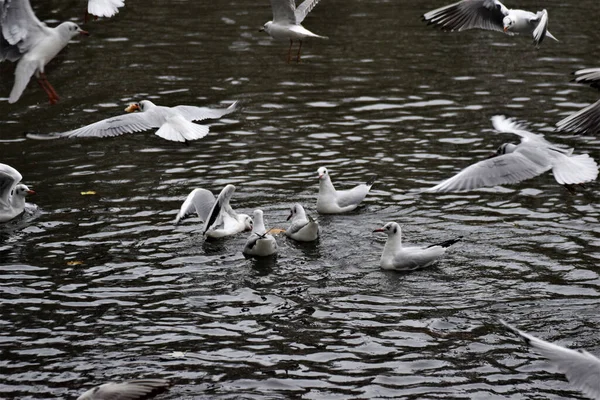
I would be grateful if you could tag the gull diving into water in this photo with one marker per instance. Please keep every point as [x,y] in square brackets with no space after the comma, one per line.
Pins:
[490,15]
[581,368]
[286,23]
[219,218]
[331,201]
[25,38]
[12,193]
[586,120]
[399,258]
[514,163]
[173,123]
[137,389]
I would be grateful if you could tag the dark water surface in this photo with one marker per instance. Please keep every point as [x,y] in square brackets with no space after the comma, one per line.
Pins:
[105,287]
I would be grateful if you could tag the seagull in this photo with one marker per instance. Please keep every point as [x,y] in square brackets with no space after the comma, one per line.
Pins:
[514,163]
[174,123]
[104,8]
[303,228]
[260,243]
[286,23]
[137,389]
[581,368]
[331,201]
[219,218]
[586,120]
[490,15]
[25,38]
[398,258]
[12,193]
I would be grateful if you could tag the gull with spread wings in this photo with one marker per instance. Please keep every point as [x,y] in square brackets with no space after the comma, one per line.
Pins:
[586,120]
[12,193]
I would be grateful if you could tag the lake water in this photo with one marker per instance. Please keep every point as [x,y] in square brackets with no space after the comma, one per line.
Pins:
[105,287]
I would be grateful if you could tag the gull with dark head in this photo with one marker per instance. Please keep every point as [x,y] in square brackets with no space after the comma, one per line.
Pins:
[219,218]
[399,258]
[587,120]
[490,15]
[286,23]
[260,243]
[514,163]
[303,228]
[331,201]
[137,389]
[173,123]
[25,38]
[12,193]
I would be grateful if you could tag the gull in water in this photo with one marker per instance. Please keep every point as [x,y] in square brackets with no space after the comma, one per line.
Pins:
[104,8]
[260,243]
[490,15]
[586,120]
[331,201]
[173,123]
[581,368]
[137,389]
[399,258]
[25,38]
[12,193]
[303,228]
[514,163]
[219,218]
[286,23]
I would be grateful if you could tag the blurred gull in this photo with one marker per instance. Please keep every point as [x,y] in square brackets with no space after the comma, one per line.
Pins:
[104,8]
[514,163]
[137,389]
[303,228]
[586,120]
[331,201]
[286,22]
[490,15]
[12,194]
[25,38]
[260,243]
[174,123]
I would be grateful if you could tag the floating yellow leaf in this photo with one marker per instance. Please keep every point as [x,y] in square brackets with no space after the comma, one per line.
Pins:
[89,192]
[276,231]
[74,262]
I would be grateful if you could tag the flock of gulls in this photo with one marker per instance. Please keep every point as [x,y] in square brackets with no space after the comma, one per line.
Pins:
[31,44]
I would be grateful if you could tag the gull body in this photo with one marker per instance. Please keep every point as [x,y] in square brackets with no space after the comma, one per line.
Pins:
[303,227]
[137,389]
[173,123]
[490,15]
[514,163]
[12,193]
[104,8]
[586,120]
[581,368]
[399,258]
[331,201]
[219,218]
[25,38]
[260,243]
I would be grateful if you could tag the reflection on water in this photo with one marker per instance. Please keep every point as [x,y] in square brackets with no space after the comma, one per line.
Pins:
[105,286]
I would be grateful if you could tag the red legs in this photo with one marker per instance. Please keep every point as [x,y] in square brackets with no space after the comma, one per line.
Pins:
[52,95]
[289,57]
[299,48]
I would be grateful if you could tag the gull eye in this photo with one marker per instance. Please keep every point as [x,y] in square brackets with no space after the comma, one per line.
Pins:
[395,230]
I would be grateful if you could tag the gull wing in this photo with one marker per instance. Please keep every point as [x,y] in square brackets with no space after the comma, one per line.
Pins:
[580,367]
[352,196]
[284,11]
[20,29]
[9,178]
[115,126]
[137,389]
[508,125]
[586,120]
[215,217]
[590,76]
[200,201]
[192,113]
[469,14]
[303,9]
[104,8]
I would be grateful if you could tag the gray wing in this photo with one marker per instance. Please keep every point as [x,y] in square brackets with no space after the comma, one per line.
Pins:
[104,8]
[221,205]
[353,196]
[580,367]
[138,389]
[586,121]
[9,178]
[284,11]
[127,123]
[469,14]
[192,113]
[297,225]
[20,29]
[303,9]
[589,76]
[505,169]
[200,201]
[503,124]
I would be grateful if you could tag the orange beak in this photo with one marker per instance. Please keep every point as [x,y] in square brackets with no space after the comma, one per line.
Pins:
[505,29]
[379,230]
[132,107]
[84,33]
[30,192]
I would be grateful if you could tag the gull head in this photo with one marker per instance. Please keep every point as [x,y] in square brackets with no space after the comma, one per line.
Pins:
[508,22]
[266,27]
[296,209]
[22,191]
[142,106]
[505,149]
[391,228]
[322,172]
[247,221]
[71,29]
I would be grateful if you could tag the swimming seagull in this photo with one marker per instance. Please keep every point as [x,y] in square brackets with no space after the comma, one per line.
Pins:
[286,23]
[514,163]
[490,15]
[331,201]
[260,243]
[303,228]
[174,123]
[399,258]
[581,368]
[137,389]
[586,120]
[12,193]
[219,218]
[104,8]
[25,38]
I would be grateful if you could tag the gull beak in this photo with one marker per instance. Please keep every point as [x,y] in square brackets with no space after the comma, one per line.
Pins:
[30,192]
[132,107]
[290,216]
[84,33]
[492,155]
[505,29]
[320,176]
[378,230]
[261,30]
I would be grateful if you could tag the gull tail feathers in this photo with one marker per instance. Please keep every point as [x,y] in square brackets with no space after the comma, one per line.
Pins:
[177,129]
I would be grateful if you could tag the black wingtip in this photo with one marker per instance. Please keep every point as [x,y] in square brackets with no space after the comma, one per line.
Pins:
[447,243]
[515,331]
[371,180]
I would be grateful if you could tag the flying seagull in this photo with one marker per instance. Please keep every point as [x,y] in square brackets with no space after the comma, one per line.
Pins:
[586,120]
